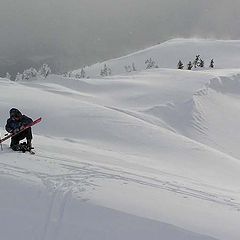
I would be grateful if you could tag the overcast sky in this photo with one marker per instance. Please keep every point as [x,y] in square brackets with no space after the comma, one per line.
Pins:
[86,31]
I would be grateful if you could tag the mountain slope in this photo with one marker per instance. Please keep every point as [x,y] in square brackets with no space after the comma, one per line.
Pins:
[166,55]
[145,155]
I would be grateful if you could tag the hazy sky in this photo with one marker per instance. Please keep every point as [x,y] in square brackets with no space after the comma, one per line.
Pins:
[78,32]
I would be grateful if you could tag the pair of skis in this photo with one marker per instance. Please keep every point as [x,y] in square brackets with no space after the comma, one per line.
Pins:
[10,135]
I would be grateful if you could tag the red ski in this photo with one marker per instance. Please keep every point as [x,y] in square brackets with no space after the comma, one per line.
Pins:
[26,127]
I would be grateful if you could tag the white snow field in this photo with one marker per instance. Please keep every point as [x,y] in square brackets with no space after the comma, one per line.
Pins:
[149,155]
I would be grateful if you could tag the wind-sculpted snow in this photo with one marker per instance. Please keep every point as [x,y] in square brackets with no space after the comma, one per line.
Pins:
[150,155]
[225,84]
[209,116]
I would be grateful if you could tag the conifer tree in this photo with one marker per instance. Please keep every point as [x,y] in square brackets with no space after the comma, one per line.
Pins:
[211,64]
[180,65]
[201,64]
[189,66]
[133,67]
[196,61]
[8,76]
[18,77]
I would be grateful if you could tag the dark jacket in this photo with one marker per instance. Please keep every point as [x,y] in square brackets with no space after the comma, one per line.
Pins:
[13,124]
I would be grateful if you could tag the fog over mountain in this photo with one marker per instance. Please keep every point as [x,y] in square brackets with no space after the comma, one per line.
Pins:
[69,34]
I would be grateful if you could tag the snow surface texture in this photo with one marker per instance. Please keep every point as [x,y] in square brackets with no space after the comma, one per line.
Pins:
[146,155]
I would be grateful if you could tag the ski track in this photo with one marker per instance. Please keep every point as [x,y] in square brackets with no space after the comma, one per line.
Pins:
[82,177]
[48,217]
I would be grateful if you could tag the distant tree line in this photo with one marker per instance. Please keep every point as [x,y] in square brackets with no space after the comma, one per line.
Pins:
[30,73]
[149,64]
[197,63]
[106,70]
[130,68]
[82,74]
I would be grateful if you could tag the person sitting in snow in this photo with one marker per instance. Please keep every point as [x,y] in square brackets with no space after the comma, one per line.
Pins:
[15,123]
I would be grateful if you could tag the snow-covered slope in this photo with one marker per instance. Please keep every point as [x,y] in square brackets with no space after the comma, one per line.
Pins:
[166,55]
[150,155]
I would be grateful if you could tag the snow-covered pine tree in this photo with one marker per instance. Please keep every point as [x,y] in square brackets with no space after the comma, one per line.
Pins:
[128,68]
[211,64]
[106,71]
[102,73]
[196,61]
[189,66]
[83,73]
[78,75]
[109,71]
[201,64]
[150,63]
[180,65]
[133,67]
[44,70]
[18,77]
[29,73]
[8,76]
